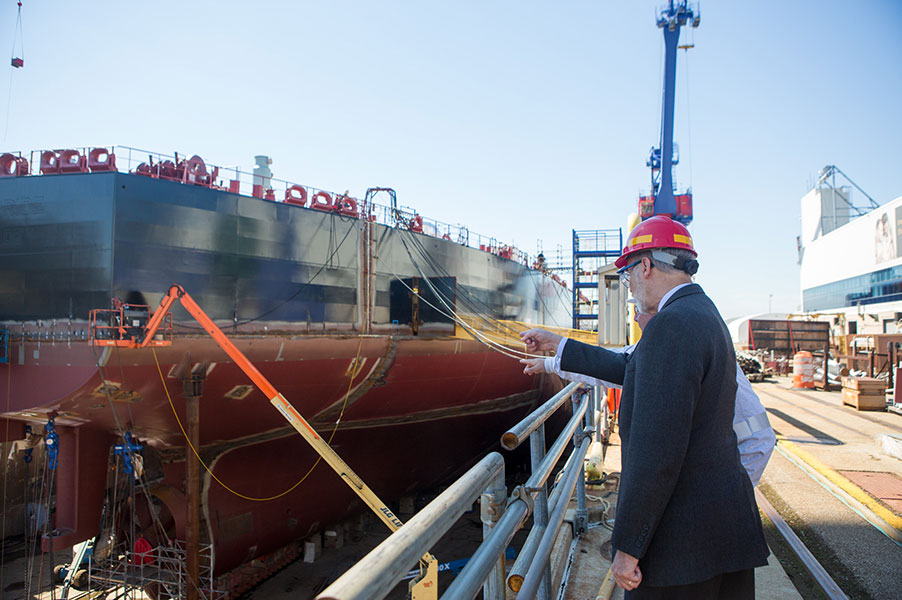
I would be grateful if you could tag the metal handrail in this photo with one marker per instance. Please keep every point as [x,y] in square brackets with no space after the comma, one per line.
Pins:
[515,436]
[528,550]
[467,584]
[380,570]
[540,476]
[543,552]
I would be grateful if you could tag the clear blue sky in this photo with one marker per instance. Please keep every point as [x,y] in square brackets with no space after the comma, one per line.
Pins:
[522,120]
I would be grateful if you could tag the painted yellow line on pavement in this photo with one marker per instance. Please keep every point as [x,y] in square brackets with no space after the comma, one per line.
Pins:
[844,484]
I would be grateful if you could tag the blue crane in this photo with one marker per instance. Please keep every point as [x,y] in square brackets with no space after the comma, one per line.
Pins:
[662,200]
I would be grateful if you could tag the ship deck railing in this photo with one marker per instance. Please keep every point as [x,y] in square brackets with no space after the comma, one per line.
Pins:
[233,179]
[502,515]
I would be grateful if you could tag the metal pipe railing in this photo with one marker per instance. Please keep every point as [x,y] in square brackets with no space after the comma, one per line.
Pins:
[514,436]
[540,512]
[541,475]
[582,509]
[599,404]
[379,571]
[524,558]
[528,550]
[469,581]
[491,508]
[539,563]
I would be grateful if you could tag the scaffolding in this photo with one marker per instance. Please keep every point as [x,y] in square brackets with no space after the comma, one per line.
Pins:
[133,556]
[160,571]
[592,249]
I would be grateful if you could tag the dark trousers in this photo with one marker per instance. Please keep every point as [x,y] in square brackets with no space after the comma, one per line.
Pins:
[739,585]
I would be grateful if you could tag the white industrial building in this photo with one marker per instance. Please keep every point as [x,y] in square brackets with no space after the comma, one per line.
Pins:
[851,258]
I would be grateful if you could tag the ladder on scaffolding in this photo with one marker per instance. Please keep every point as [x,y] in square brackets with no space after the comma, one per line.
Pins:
[592,249]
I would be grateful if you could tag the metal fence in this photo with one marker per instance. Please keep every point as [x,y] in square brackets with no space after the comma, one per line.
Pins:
[502,515]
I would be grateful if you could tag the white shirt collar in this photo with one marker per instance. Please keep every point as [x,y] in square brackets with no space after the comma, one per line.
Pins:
[671,293]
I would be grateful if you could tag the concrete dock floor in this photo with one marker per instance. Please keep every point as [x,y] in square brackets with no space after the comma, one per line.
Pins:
[862,559]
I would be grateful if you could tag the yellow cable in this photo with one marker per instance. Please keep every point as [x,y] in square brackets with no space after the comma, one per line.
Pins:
[354,371]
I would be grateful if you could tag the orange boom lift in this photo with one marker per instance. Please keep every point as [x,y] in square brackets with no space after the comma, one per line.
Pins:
[126,329]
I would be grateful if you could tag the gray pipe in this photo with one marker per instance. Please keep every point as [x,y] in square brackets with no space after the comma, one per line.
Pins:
[540,510]
[377,573]
[514,436]
[534,576]
[524,558]
[528,551]
[582,509]
[491,507]
[541,475]
[468,583]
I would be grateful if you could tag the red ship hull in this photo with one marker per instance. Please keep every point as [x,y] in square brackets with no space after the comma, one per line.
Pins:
[416,412]
[349,308]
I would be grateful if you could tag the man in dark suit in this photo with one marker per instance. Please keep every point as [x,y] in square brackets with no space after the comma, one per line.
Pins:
[687,525]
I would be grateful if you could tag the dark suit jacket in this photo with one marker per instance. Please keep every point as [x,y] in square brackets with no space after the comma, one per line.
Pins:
[686,507]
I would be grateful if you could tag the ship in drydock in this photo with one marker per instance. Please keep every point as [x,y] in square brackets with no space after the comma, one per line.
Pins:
[390,333]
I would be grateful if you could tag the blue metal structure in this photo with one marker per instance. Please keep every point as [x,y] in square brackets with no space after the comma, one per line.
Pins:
[51,443]
[662,159]
[591,250]
[127,451]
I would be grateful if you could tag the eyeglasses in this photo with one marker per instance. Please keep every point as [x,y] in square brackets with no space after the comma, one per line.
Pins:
[624,272]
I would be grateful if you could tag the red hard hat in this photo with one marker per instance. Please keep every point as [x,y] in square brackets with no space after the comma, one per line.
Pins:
[657,232]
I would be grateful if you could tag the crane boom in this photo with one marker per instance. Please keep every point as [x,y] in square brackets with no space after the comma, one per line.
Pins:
[662,158]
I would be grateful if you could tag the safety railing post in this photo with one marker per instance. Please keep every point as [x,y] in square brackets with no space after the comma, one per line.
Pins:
[592,412]
[532,581]
[599,393]
[491,508]
[596,410]
[540,514]
[582,511]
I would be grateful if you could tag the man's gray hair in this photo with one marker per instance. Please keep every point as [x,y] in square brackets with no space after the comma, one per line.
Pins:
[668,258]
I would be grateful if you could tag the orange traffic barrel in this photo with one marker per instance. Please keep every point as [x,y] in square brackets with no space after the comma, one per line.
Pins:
[803,370]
